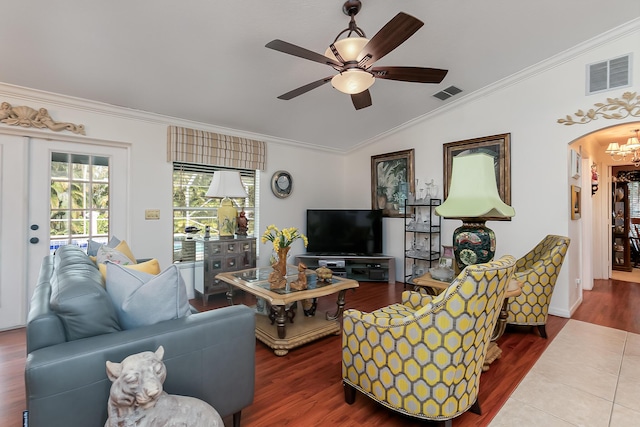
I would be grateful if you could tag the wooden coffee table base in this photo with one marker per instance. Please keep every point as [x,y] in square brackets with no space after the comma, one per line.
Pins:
[283,329]
[303,330]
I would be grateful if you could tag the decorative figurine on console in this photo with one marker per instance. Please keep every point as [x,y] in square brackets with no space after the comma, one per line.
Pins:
[301,283]
[276,279]
[243,224]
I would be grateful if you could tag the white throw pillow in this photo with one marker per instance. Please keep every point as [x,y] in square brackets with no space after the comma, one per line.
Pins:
[93,246]
[145,299]
[105,253]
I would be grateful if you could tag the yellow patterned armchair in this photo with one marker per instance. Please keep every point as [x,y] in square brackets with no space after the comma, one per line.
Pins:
[537,271]
[424,357]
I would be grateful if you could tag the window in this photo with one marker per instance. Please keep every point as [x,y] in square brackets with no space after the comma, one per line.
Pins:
[192,208]
[79,199]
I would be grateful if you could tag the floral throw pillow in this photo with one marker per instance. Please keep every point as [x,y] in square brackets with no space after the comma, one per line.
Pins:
[105,253]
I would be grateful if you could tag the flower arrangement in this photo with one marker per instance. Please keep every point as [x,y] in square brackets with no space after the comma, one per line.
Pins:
[282,238]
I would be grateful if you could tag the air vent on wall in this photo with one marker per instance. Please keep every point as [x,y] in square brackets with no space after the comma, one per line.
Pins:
[610,74]
[447,93]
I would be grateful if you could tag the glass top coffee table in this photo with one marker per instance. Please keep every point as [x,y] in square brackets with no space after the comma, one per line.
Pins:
[280,328]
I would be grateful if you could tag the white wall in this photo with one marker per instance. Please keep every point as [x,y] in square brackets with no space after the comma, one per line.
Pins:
[318,175]
[528,106]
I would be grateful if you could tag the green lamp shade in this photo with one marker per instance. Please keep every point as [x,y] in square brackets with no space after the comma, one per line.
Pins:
[473,192]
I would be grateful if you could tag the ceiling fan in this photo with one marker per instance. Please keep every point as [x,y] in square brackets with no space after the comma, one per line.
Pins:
[353,58]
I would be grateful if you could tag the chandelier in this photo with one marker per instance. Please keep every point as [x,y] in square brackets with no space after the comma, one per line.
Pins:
[631,148]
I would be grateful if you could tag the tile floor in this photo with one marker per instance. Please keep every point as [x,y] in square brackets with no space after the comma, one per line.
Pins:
[588,376]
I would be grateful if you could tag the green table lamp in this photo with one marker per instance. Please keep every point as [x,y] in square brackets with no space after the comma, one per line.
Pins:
[473,198]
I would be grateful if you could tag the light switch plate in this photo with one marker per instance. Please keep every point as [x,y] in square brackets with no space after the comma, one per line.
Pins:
[152,214]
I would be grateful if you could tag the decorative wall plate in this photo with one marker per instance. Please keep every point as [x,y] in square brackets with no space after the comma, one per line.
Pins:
[281,184]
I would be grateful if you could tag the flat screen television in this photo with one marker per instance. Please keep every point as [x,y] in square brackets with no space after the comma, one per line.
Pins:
[344,231]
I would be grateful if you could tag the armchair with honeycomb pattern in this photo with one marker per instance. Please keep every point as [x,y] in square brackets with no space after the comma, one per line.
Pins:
[423,357]
[537,271]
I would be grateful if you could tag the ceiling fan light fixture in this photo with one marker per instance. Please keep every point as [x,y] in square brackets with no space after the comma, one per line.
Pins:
[352,81]
[349,48]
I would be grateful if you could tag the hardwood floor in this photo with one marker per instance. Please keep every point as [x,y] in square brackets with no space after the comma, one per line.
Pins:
[304,387]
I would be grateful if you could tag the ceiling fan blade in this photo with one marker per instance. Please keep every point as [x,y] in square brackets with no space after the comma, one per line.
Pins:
[301,52]
[304,89]
[410,74]
[361,100]
[392,35]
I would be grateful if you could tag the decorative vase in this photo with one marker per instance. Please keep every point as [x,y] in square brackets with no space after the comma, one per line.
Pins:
[473,243]
[281,263]
[445,270]
[447,257]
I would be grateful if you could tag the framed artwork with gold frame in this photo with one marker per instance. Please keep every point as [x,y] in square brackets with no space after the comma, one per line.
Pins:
[575,202]
[392,177]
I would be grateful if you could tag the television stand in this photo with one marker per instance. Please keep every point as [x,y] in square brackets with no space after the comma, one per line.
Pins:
[363,268]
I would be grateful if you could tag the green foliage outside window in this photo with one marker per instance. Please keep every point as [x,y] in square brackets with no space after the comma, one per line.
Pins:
[192,208]
[79,198]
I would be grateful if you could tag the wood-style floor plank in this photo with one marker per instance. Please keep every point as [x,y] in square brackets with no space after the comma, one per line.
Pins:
[304,387]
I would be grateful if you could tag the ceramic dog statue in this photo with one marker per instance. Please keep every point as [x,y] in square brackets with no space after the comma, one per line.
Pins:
[137,398]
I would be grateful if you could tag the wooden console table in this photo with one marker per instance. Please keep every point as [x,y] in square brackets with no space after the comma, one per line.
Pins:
[364,268]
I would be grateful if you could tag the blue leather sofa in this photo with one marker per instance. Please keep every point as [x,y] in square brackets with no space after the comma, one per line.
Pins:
[72,330]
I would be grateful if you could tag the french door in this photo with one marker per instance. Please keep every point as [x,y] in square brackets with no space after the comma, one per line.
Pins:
[28,226]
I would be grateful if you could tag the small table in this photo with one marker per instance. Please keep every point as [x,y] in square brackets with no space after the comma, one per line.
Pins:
[289,331]
[514,288]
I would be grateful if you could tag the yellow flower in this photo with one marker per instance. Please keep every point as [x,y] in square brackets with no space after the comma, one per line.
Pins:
[282,238]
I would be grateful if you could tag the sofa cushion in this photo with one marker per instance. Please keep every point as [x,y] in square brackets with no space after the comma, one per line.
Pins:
[144,299]
[77,296]
[123,247]
[151,266]
[93,246]
[106,253]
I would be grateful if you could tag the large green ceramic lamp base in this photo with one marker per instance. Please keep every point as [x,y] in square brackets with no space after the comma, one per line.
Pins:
[473,243]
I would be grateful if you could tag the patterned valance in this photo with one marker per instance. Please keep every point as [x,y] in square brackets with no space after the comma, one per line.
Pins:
[208,148]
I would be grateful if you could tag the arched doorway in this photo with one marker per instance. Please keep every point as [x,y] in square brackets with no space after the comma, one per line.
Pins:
[599,259]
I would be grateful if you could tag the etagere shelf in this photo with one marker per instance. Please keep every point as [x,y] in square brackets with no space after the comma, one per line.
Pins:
[421,238]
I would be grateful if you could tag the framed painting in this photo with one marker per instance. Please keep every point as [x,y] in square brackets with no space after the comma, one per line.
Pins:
[497,146]
[392,181]
[575,202]
[576,164]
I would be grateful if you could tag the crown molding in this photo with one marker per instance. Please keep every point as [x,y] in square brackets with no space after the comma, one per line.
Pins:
[616,33]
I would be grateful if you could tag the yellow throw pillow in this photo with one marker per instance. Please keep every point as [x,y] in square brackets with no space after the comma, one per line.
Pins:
[151,267]
[124,248]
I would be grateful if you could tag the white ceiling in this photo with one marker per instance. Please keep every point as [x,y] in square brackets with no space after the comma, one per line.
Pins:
[206,61]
